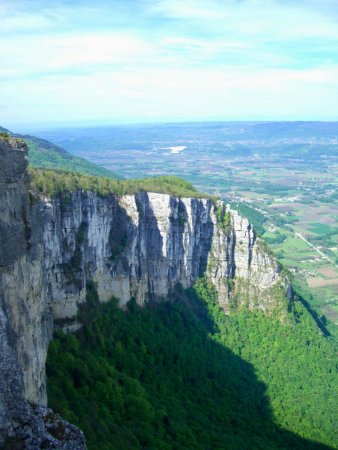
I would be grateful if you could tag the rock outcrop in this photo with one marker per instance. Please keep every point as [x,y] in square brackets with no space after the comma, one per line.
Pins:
[137,246]
[26,321]
[142,245]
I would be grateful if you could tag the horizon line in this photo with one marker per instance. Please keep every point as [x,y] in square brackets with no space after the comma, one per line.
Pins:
[95,124]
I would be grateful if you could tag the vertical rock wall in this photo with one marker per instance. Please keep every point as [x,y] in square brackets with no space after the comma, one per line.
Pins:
[142,245]
[26,322]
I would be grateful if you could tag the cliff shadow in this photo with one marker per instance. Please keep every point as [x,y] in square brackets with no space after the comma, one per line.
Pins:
[121,233]
[201,234]
[164,383]
[149,245]
[320,321]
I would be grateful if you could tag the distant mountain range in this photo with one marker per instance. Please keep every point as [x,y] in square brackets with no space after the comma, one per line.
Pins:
[195,132]
[44,154]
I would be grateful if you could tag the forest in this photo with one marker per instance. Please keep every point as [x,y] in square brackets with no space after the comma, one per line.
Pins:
[182,375]
[53,182]
[44,154]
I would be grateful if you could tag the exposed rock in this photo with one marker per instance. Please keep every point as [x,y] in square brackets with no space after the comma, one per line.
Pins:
[143,245]
[26,322]
[43,429]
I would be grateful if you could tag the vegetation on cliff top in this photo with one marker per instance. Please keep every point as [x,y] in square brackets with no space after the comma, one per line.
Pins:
[4,135]
[51,182]
[256,218]
[182,375]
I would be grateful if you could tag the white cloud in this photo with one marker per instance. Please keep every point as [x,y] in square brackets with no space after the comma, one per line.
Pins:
[25,22]
[265,19]
[158,94]
[184,59]
[33,55]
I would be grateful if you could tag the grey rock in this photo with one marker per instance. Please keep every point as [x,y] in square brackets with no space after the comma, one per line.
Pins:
[142,245]
[26,321]
[43,429]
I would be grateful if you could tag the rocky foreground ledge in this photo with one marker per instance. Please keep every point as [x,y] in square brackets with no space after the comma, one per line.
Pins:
[26,323]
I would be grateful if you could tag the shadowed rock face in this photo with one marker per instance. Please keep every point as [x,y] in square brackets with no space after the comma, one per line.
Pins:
[143,245]
[26,323]
[138,246]
[14,229]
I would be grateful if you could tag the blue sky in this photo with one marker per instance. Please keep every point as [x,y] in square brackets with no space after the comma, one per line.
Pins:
[78,62]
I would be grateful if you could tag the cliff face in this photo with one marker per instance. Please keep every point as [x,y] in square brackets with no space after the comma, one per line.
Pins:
[26,322]
[143,245]
[132,246]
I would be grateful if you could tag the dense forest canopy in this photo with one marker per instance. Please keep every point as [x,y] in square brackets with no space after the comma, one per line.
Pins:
[182,375]
[52,182]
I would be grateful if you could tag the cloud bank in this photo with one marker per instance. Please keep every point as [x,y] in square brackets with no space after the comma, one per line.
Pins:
[69,62]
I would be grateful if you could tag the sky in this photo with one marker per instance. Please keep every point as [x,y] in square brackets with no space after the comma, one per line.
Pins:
[72,62]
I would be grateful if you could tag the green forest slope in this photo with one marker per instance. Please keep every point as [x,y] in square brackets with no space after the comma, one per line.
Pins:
[44,154]
[182,375]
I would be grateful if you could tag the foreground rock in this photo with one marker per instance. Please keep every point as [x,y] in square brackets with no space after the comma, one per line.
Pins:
[26,322]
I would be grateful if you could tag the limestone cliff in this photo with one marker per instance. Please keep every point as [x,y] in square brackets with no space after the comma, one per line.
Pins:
[143,245]
[138,246]
[26,322]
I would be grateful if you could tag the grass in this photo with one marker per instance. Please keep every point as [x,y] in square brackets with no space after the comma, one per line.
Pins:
[294,244]
[320,228]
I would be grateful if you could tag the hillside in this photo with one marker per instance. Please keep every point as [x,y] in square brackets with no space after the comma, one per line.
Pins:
[44,154]
[182,375]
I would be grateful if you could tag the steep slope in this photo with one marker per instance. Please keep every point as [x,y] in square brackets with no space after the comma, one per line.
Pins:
[161,378]
[141,245]
[42,153]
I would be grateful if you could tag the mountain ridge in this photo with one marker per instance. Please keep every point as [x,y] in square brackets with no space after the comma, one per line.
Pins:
[44,154]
